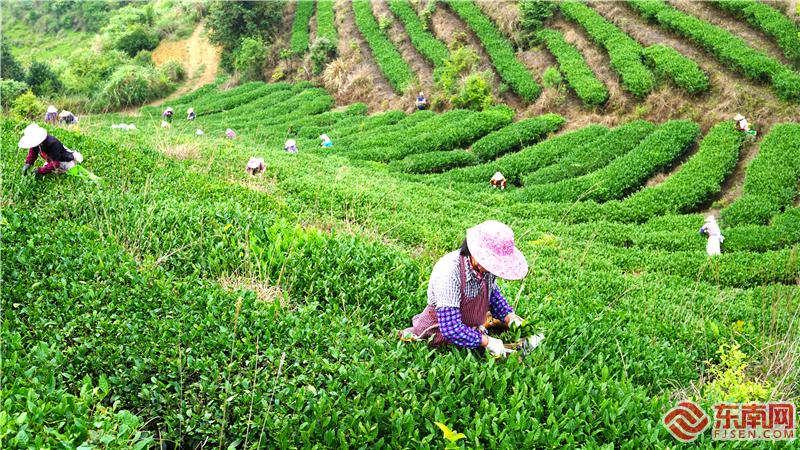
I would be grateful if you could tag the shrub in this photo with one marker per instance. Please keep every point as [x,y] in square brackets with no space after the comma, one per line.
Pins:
[42,80]
[10,90]
[322,51]
[300,31]
[428,46]
[770,184]
[386,55]
[434,162]
[143,58]
[533,15]
[27,106]
[173,70]
[475,93]
[515,136]
[384,23]
[580,77]
[499,49]
[250,58]
[551,78]
[456,66]
[624,52]
[132,85]
[135,39]
[686,74]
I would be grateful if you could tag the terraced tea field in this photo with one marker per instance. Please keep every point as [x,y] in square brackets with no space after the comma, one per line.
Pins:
[182,303]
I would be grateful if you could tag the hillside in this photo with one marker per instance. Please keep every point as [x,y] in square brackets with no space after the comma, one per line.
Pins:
[180,302]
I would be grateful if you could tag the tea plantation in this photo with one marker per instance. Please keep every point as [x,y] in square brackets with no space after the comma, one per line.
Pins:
[181,300]
[181,303]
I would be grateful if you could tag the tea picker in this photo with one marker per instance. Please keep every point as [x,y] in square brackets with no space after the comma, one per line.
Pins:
[255,166]
[290,146]
[421,102]
[463,289]
[58,158]
[67,117]
[326,141]
[230,134]
[498,181]
[190,115]
[51,116]
[744,126]
[715,237]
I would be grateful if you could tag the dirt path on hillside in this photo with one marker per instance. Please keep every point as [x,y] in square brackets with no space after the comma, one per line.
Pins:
[361,80]
[198,57]
[504,13]
[397,34]
[447,27]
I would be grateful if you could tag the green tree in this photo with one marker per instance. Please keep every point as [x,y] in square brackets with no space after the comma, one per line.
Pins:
[533,14]
[250,58]
[42,79]
[135,39]
[9,67]
[228,22]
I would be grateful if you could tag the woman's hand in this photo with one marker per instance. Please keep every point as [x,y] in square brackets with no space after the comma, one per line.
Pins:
[494,346]
[512,318]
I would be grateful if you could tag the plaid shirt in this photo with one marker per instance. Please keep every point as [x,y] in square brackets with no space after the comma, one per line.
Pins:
[444,293]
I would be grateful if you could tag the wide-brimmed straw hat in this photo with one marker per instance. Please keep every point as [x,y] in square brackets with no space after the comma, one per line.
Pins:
[738,117]
[52,109]
[190,110]
[711,219]
[491,243]
[64,113]
[169,109]
[32,136]
[289,143]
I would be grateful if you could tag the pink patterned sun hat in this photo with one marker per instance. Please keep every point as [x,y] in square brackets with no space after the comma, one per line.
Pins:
[491,243]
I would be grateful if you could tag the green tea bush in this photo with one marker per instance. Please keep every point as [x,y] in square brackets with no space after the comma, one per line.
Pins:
[434,162]
[428,46]
[511,71]
[551,78]
[386,55]
[515,165]
[300,28]
[731,50]
[443,135]
[686,74]
[698,180]
[769,20]
[625,53]
[770,184]
[326,26]
[580,77]
[515,136]
[582,160]
[624,174]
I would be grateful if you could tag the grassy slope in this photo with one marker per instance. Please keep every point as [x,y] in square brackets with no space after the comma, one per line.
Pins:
[27,44]
[355,291]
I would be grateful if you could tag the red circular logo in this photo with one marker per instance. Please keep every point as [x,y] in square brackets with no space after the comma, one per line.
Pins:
[686,421]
